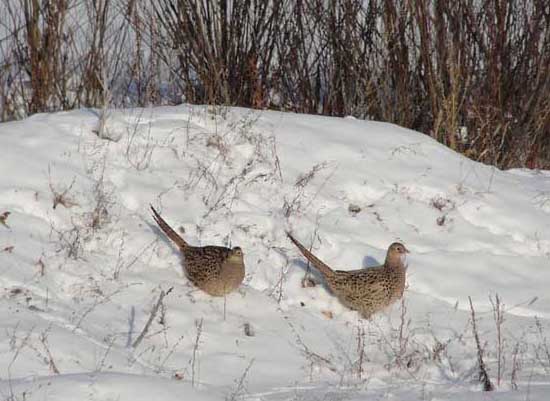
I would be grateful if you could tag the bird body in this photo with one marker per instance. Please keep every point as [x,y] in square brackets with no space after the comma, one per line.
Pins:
[216,270]
[366,290]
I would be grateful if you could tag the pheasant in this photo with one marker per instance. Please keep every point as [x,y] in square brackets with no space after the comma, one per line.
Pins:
[369,290]
[216,270]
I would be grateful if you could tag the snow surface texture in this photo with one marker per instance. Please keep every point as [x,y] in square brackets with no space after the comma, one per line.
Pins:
[82,264]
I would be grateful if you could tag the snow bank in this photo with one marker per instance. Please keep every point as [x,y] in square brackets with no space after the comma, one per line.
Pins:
[82,263]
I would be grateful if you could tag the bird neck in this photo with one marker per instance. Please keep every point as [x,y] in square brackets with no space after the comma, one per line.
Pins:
[394,262]
[235,259]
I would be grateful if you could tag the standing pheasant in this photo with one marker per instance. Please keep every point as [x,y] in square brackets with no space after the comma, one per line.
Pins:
[216,270]
[367,291]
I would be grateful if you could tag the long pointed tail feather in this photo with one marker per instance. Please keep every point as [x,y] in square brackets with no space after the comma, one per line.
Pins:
[174,236]
[319,264]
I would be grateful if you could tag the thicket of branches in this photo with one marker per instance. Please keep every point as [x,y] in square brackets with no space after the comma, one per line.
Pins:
[474,74]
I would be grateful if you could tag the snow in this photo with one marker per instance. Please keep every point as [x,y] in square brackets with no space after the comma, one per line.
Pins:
[82,278]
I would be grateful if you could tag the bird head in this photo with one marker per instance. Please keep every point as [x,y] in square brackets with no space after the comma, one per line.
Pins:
[397,254]
[236,253]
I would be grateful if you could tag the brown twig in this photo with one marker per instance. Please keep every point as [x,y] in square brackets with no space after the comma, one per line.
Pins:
[151,317]
[483,375]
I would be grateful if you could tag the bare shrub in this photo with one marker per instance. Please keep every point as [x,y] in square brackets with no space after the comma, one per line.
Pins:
[224,49]
[473,75]
[50,61]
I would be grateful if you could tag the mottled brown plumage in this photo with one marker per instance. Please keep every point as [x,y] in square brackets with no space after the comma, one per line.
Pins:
[214,269]
[365,290]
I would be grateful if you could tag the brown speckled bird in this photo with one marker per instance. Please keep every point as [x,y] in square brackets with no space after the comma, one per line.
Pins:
[367,290]
[214,269]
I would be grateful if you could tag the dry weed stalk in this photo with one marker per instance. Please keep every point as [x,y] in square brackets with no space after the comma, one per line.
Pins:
[61,197]
[100,365]
[516,365]
[195,363]
[99,300]
[70,241]
[295,205]
[483,375]
[361,336]
[241,384]
[498,316]
[313,358]
[542,350]
[139,144]
[277,292]
[45,345]
[152,316]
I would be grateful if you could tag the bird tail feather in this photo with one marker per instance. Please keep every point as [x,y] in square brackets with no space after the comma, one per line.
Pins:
[169,231]
[319,264]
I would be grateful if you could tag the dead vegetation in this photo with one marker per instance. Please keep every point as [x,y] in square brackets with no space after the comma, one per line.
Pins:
[473,75]
[4,218]
[300,199]
[484,378]
[408,349]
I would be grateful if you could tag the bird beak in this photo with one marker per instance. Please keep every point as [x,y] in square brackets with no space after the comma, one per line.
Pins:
[406,250]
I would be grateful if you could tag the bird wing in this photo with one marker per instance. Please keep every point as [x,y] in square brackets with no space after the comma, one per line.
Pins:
[205,259]
[359,285]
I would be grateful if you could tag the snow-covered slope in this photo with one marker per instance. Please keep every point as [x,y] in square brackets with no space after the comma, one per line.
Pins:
[82,264]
